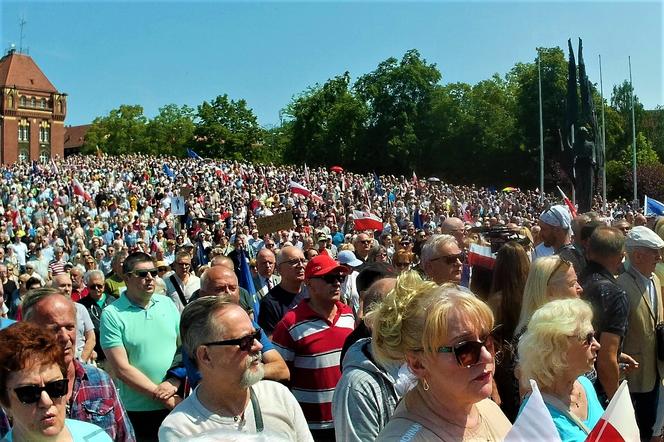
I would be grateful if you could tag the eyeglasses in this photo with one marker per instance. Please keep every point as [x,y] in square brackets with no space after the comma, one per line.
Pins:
[144,273]
[295,262]
[590,337]
[184,264]
[29,394]
[366,241]
[332,278]
[451,259]
[245,343]
[162,269]
[558,267]
[467,353]
[95,286]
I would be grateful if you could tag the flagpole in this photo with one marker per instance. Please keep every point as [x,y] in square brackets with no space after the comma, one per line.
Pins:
[541,125]
[629,59]
[601,89]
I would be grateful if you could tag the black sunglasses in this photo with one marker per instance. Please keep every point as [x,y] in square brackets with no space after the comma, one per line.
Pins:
[563,262]
[451,259]
[467,353]
[332,278]
[588,340]
[29,394]
[245,343]
[145,273]
[95,286]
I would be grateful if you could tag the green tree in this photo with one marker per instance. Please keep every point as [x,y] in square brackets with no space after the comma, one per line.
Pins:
[327,123]
[227,128]
[172,130]
[399,96]
[122,131]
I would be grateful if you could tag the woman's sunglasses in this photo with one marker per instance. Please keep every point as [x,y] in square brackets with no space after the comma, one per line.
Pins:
[467,353]
[29,394]
[245,343]
[563,262]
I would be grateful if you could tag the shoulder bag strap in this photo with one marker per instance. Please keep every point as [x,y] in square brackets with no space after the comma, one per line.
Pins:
[258,416]
[178,289]
[560,406]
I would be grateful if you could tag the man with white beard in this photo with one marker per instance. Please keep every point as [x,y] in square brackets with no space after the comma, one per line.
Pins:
[231,395]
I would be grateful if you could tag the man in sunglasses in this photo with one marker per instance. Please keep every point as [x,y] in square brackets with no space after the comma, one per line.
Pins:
[442,260]
[225,346]
[95,302]
[310,338]
[363,244]
[91,396]
[139,335]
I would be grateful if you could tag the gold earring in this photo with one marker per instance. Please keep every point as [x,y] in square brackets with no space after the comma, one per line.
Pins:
[425,384]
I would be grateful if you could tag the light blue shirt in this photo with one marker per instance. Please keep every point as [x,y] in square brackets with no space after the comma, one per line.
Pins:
[80,432]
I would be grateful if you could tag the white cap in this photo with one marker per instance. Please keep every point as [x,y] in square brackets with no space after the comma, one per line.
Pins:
[641,236]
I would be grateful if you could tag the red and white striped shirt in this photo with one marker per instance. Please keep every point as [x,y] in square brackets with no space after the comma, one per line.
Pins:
[311,346]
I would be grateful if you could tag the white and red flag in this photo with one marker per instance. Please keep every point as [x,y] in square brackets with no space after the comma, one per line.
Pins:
[301,190]
[481,256]
[366,221]
[618,422]
[534,423]
[79,190]
[568,202]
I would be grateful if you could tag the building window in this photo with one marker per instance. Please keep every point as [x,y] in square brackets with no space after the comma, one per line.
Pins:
[23,155]
[23,131]
[33,102]
[42,103]
[44,156]
[22,101]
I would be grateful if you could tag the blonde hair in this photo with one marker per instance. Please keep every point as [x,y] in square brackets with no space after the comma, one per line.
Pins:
[543,347]
[414,316]
[535,292]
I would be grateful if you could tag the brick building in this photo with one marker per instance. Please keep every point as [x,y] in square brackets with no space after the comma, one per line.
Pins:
[32,111]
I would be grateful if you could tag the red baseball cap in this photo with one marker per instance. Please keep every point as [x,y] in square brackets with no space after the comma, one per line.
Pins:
[321,265]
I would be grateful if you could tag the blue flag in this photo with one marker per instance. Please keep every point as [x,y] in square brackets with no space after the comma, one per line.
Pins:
[247,281]
[653,207]
[417,219]
[378,187]
[168,171]
[192,154]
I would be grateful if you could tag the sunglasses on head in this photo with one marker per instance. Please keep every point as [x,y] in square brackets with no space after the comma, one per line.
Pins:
[145,273]
[245,343]
[451,259]
[563,262]
[332,278]
[467,353]
[29,394]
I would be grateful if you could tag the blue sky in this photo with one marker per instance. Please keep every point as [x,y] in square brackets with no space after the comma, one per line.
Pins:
[104,54]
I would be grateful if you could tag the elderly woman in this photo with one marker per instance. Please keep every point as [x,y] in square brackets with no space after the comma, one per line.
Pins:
[442,334]
[558,347]
[549,278]
[33,388]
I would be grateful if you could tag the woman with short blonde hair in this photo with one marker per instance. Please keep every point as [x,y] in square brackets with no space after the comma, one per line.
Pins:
[558,347]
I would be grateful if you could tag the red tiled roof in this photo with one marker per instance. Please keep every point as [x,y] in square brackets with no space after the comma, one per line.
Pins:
[21,71]
[75,136]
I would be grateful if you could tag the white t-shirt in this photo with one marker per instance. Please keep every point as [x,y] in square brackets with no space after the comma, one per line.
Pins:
[282,417]
[83,324]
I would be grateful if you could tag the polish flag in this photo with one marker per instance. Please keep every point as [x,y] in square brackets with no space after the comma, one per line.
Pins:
[534,422]
[366,221]
[481,256]
[78,190]
[618,422]
[568,203]
[299,189]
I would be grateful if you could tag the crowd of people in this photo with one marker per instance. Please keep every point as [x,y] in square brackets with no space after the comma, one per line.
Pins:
[145,298]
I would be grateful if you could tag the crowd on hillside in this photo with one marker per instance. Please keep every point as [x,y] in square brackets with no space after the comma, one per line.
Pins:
[323,330]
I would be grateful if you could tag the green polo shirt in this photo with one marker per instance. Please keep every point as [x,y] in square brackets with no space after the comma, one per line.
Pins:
[150,338]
